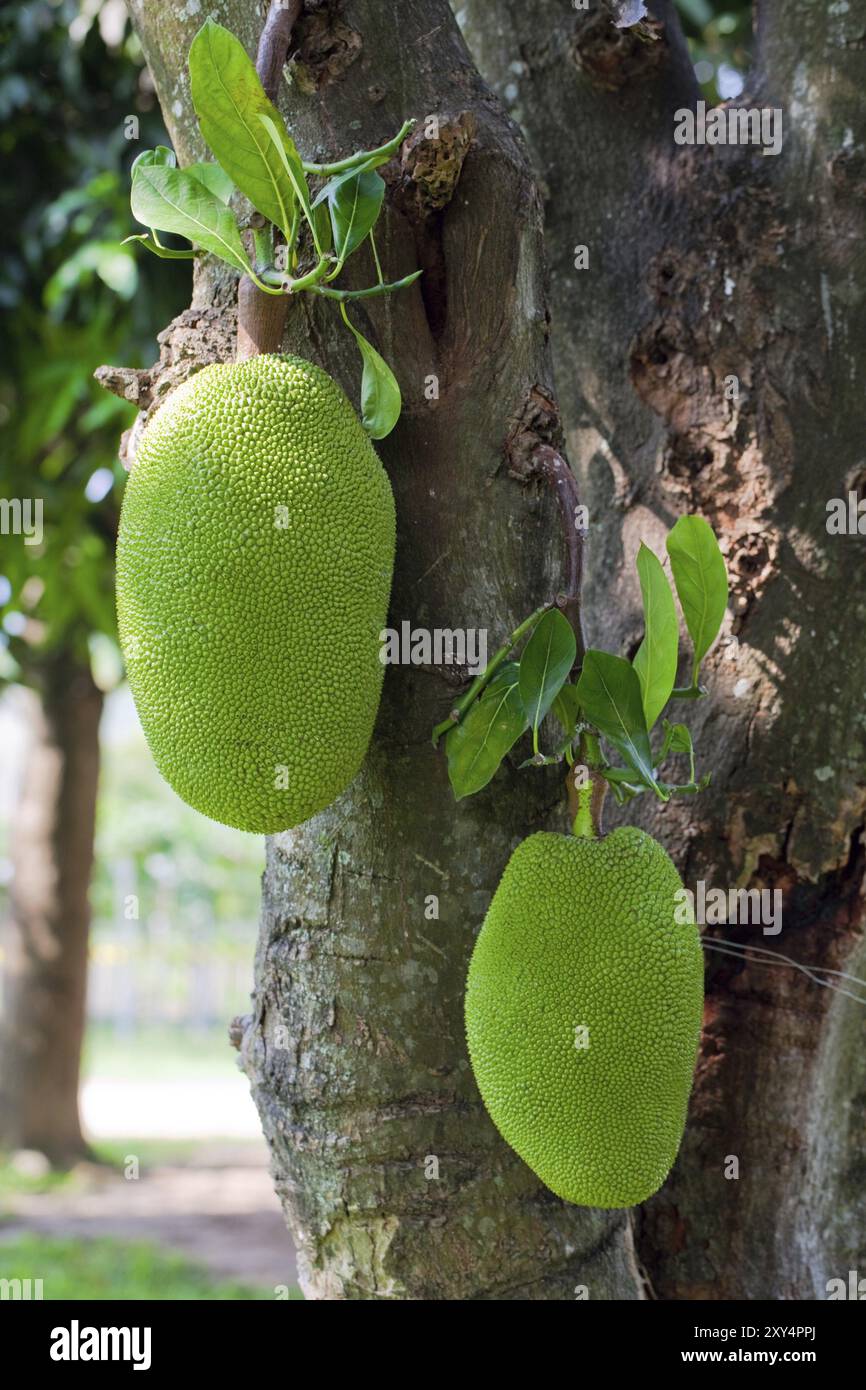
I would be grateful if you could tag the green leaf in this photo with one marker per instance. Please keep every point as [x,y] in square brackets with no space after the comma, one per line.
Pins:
[381,401]
[609,693]
[161,155]
[678,739]
[322,224]
[656,658]
[566,708]
[624,782]
[544,666]
[173,201]
[327,192]
[164,157]
[623,775]
[214,177]
[230,103]
[354,204]
[701,580]
[164,252]
[490,728]
[287,153]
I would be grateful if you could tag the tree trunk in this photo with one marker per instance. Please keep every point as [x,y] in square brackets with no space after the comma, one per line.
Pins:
[46,971]
[393,1179]
[707,264]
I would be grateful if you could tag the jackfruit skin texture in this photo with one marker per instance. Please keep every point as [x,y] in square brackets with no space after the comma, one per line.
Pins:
[581,933]
[253,646]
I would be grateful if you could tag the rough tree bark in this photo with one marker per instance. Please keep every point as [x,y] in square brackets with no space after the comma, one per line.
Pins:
[708,263]
[45,974]
[392,1177]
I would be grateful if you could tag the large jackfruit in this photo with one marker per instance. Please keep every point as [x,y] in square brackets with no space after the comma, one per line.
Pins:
[254,565]
[583,1013]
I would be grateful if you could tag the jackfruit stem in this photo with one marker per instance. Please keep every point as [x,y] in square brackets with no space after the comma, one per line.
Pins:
[586,789]
[585,805]
[582,825]
[263,243]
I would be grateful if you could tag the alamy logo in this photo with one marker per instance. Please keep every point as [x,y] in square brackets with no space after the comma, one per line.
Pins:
[854,1289]
[77,1343]
[846,516]
[439,646]
[730,125]
[22,517]
[713,906]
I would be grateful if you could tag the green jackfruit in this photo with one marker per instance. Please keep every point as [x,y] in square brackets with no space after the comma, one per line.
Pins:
[254,564]
[581,935]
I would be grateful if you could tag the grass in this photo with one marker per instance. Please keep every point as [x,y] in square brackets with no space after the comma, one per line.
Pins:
[173,1152]
[109,1269]
[113,1153]
[12,1181]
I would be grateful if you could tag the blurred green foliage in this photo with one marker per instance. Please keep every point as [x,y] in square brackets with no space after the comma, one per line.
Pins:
[719,34]
[76,107]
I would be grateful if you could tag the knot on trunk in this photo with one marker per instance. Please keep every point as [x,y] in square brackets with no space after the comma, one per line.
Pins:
[197,337]
[431,163]
[611,56]
[129,383]
[537,422]
[238,1026]
[325,46]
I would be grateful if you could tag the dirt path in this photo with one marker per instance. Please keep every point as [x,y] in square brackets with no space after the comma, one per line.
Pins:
[217,1207]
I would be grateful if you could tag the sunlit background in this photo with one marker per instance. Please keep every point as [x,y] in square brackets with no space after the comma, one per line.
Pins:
[169,1195]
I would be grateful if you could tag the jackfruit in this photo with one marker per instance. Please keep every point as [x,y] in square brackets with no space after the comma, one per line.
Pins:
[254,563]
[583,1013]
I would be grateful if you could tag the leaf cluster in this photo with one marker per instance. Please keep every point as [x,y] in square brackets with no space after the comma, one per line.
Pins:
[309,235]
[614,702]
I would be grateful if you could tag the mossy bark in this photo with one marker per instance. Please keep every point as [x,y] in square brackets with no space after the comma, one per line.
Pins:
[392,1177]
[709,266]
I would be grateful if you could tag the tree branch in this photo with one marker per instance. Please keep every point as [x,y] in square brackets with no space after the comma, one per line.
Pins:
[274,44]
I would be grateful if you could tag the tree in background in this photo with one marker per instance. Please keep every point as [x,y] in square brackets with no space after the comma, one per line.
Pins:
[76,108]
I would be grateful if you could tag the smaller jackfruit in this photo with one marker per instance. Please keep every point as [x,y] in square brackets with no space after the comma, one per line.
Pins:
[254,564]
[583,1013]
